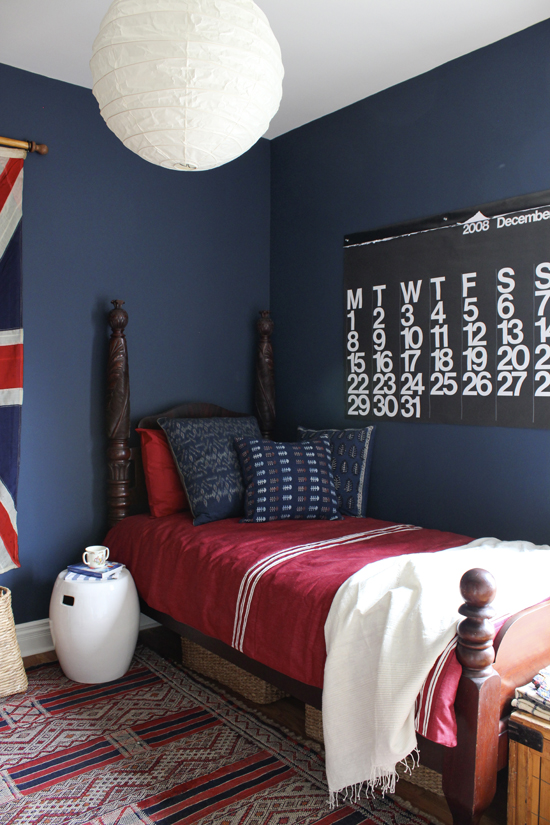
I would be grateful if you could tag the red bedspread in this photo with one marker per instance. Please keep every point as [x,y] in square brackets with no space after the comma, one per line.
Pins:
[265,589]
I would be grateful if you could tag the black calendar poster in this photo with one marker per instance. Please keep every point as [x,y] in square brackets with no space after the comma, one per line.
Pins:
[448,319]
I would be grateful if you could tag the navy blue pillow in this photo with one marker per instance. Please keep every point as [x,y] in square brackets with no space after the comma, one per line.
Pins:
[207,463]
[351,457]
[287,481]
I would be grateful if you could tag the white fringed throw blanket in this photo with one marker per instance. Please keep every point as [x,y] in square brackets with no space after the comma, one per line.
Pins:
[387,625]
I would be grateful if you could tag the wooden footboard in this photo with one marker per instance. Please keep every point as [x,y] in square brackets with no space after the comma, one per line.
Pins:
[522,648]
[492,669]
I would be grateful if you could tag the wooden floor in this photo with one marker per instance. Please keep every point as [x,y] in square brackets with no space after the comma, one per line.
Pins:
[290,713]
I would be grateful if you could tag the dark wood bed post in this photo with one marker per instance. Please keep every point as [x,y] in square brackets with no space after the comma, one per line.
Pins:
[470,769]
[119,454]
[265,376]
[118,419]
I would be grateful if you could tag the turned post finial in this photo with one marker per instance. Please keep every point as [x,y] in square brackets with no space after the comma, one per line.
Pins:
[476,631]
[118,318]
[265,324]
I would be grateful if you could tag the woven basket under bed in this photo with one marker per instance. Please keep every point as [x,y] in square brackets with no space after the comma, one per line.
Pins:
[214,667]
[13,678]
[314,723]
[421,776]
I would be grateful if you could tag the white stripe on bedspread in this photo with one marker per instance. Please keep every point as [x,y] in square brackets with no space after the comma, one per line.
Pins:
[424,704]
[254,574]
[425,698]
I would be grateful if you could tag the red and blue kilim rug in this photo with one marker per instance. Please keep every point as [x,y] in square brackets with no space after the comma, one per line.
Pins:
[159,746]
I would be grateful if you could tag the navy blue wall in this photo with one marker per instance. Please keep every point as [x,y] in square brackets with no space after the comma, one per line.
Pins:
[188,252]
[472,131]
[190,255]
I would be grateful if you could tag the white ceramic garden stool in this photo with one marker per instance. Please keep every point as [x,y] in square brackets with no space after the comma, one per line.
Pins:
[94,626]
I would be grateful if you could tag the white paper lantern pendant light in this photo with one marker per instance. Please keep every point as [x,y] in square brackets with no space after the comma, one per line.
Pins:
[187,84]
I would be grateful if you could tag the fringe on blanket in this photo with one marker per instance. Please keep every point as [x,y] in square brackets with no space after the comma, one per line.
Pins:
[380,780]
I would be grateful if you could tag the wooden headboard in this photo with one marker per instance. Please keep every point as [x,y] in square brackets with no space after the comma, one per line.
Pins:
[126,492]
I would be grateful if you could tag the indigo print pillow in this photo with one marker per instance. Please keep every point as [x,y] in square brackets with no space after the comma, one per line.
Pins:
[287,481]
[207,463]
[351,458]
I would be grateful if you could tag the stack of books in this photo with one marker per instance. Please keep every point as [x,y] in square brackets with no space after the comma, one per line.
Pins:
[81,571]
[534,698]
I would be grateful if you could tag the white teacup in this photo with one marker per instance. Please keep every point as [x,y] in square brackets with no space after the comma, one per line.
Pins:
[95,556]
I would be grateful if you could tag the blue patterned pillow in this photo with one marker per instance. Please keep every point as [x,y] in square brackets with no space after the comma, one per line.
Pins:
[207,463]
[351,457]
[287,481]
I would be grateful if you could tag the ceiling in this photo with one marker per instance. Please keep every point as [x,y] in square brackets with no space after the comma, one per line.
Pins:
[334,53]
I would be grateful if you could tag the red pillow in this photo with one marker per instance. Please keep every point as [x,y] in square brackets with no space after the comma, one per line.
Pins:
[164,488]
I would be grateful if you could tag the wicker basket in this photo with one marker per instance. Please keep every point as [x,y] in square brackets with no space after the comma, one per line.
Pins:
[421,776]
[314,723]
[214,667]
[13,678]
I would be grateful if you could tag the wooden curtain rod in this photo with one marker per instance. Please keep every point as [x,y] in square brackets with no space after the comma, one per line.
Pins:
[28,145]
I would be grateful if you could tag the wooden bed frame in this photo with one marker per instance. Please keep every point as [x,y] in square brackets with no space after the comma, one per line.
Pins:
[520,649]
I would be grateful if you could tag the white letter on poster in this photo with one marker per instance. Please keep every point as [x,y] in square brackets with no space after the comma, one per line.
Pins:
[437,282]
[467,282]
[540,273]
[410,291]
[378,289]
[504,279]
[355,301]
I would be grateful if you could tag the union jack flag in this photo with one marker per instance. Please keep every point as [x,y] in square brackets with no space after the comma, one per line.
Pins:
[11,350]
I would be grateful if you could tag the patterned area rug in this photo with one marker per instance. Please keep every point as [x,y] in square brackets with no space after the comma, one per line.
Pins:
[159,746]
